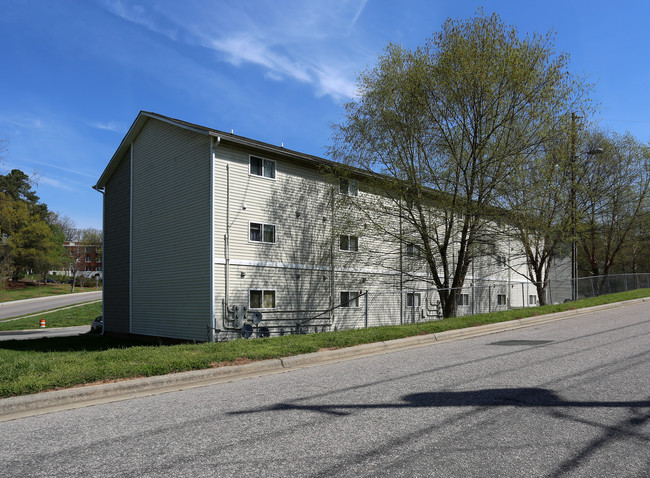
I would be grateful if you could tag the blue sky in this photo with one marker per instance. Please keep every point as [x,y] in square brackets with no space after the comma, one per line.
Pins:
[74,74]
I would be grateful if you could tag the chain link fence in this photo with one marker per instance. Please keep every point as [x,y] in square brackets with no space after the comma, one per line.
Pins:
[394,307]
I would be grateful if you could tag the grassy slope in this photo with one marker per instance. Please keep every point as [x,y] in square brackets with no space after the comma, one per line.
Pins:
[67,317]
[34,365]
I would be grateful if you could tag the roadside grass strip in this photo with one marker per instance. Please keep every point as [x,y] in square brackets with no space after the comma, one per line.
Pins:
[69,316]
[30,366]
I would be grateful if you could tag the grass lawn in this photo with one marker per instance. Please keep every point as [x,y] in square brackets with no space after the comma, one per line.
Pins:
[30,366]
[67,317]
[29,290]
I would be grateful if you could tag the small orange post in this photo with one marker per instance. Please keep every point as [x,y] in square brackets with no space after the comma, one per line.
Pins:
[42,322]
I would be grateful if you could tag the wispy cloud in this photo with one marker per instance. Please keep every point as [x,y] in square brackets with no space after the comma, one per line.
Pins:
[55,183]
[309,42]
[141,15]
[109,126]
[23,122]
[77,172]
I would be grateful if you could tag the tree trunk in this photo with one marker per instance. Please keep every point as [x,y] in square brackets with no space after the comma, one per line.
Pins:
[541,292]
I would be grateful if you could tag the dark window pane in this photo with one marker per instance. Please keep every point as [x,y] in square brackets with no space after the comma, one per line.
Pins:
[256,166]
[255,299]
[256,232]
[343,243]
[345,297]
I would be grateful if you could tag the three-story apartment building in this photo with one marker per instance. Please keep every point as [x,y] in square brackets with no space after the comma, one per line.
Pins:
[208,234]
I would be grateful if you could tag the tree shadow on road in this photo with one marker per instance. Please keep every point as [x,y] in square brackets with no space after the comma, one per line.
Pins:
[498,397]
[629,427]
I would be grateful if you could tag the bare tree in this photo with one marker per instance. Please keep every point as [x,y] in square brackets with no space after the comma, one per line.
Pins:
[612,190]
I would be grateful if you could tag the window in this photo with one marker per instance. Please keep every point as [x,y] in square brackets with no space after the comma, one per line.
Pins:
[261,232]
[261,299]
[349,299]
[349,187]
[502,261]
[412,299]
[89,259]
[412,250]
[501,299]
[262,167]
[532,299]
[348,243]
[463,299]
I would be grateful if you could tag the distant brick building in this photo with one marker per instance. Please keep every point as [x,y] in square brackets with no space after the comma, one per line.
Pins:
[87,257]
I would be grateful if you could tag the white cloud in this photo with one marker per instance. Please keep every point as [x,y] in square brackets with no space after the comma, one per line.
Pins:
[309,42]
[56,183]
[23,122]
[140,15]
[109,126]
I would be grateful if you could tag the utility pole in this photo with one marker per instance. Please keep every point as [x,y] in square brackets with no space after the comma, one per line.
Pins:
[574,220]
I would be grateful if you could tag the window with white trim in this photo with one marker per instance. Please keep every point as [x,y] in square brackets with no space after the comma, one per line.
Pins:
[260,232]
[463,299]
[261,299]
[261,167]
[413,299]
[532,299]
[349,187]
[348,243]
[412,250]
[502,299]
[502,261]
[349,298]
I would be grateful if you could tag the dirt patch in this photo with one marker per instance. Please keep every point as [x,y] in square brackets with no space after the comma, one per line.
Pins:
[238,361]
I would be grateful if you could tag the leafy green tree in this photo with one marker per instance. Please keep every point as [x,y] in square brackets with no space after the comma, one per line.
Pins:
[36,247]
[447,125]
[28,242]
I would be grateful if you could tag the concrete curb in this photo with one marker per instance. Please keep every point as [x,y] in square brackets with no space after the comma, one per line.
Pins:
[45,402]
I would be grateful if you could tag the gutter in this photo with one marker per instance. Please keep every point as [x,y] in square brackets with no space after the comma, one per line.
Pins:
[101,191]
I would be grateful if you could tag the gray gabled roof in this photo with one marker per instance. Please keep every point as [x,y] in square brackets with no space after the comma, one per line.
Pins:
[144,116]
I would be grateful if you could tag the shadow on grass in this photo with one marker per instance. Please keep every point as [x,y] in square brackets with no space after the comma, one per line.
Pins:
[87,342]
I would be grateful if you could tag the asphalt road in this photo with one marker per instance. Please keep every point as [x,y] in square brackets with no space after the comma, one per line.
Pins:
[567,398]
[41,333]
[31,306]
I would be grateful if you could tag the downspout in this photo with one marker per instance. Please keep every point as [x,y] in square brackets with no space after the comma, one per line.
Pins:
[225,305]
[227,240]
[212,336]
[103,249]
